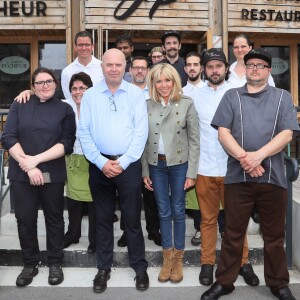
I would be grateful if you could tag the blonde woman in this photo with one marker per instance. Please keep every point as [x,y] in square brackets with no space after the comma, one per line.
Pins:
[170,161]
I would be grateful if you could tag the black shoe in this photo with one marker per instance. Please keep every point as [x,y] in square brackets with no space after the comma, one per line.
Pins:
[248,274]
[141,281]
[206,274]
[156,238]
[91,249]
[255,215]
[56,275]
[122,241]
[100,281]
[116,219]
[216,291]
[67,243]
[283,294]
[27,275]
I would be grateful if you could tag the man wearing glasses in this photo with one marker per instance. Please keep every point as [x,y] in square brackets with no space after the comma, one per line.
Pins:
[113,129]
[255,123]
[85,62]
[138,70]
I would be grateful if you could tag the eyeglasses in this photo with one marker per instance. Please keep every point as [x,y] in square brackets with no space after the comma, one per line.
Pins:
[139,68]
[113,106]
[82,89]
[156,56]
[258,66]
[42,83]
[83,45]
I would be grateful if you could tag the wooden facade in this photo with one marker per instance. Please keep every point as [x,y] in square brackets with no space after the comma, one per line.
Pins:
[206,22]
[180,15]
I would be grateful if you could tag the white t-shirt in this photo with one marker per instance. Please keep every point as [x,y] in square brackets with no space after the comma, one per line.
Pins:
[93,69]
[188,89]
[213,158]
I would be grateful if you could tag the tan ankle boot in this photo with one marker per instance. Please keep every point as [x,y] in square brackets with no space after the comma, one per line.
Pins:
[176,273]
[165,272]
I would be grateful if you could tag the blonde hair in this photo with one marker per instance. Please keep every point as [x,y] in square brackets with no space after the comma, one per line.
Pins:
[169,72]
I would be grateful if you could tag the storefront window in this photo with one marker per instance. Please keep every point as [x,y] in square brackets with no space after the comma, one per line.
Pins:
[14,71]
[280,65]
[52,55]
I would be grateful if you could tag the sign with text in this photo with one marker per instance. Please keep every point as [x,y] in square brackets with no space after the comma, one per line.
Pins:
[14,65]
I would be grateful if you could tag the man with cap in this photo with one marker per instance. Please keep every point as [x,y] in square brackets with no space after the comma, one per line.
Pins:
[171,44]
[213,165]
[255,123]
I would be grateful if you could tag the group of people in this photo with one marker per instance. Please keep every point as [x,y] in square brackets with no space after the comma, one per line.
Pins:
[224,135]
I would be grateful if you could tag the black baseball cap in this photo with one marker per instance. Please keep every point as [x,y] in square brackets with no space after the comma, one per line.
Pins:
[170,33]
[213,54]
[259,53]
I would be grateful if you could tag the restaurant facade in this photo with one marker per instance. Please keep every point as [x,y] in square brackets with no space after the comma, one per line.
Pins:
[41,33]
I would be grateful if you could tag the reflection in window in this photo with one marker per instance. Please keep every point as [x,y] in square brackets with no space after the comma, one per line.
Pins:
[14,71]
[52,55]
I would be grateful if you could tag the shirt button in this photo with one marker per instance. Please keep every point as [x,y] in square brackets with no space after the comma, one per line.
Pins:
[178,132]
[180,161]
[178,122]
[177,113]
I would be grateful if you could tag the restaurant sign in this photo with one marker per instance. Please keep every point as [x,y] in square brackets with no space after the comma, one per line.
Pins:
[23,8]
[272,14]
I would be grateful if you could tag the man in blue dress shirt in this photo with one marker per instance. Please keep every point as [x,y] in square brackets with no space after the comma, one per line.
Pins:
[113,129]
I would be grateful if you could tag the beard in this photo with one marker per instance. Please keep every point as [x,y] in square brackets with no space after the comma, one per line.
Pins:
[216,81]
[195,78]
[173,54]
[256,82]
[139,80]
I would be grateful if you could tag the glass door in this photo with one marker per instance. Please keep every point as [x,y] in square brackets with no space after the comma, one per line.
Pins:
[14,71]
[280,66]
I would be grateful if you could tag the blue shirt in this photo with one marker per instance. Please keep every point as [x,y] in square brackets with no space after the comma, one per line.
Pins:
[121,132]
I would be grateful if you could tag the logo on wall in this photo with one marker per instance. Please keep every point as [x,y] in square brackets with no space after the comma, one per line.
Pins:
[131,9]
[14,65]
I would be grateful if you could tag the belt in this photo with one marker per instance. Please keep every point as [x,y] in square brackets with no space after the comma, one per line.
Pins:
[112,157]
[161,157]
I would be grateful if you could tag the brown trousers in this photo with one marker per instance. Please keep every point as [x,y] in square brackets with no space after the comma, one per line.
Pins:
[210,192]
[271,201]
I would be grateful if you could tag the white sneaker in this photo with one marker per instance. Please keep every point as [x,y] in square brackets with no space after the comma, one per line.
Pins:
[196,239]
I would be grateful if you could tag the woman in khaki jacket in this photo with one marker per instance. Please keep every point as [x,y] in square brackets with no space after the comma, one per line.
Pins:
[170,161]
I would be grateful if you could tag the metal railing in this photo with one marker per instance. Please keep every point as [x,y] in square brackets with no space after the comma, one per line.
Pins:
[292,173]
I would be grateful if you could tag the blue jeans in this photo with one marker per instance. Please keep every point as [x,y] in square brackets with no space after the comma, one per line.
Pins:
[168,185]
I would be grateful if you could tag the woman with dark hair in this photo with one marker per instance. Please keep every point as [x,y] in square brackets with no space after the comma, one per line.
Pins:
[38,135]
[77,186]
[241,46]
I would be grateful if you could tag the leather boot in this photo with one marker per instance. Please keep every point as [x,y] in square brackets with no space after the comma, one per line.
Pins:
[176,273]
[165,272]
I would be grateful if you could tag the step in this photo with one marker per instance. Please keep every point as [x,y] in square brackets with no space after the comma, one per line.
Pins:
[8,225]
[121,277]
[77,256]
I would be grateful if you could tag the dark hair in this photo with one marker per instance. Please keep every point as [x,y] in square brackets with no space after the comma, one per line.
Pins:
[140,58]
[81,76]
[193,53]
[243,36]
[42,70]
[123,38]
[83,34]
